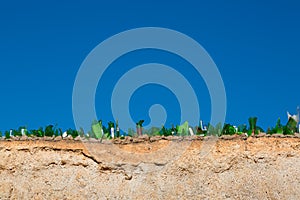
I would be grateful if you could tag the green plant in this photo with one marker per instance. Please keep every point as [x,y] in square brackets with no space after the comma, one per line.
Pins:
[218,129]
[173,130]
[49,131]
[291,127]
[278,128]
[28,133]
[22,130]
[16,133]
[252,126]
[183,129]
[259,129]
[242,128]
[153,131]
[228,129]
[111,127]
[117,129]
[269,131]
[32,133]
[215,131]
[165,132]
[106,132]
[7,134]
[81,132]
[97,129]
[139,127]
[38,133]
[72,132]
[58,132]
[210,130]
[199,131]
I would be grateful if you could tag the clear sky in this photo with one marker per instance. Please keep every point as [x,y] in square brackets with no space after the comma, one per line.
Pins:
[255,44]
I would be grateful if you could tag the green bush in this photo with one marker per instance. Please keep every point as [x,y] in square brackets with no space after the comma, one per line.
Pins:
[72,132]
[228,129]
[49,131]
[278,128]
[165,132]
[58,132]
[7,134]
[290,128]
[16,133]
[38,133]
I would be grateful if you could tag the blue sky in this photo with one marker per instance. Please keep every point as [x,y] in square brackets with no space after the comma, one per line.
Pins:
[255,45]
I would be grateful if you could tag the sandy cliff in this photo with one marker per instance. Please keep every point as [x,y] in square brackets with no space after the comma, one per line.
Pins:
[210,168]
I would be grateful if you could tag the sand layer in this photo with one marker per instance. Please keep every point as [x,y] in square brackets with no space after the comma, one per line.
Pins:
[210,168]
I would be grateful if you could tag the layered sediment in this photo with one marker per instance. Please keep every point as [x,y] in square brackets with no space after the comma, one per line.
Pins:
[151,168]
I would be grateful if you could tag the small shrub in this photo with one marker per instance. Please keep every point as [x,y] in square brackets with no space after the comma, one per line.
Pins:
[49,131]
[291,127]
[7,134]
[16,133]
[58,132]
[278,128]
[73,133]
[37,133]
[228,129]
[165,132]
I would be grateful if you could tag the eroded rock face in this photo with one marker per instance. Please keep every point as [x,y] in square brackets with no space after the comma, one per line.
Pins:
[255,168]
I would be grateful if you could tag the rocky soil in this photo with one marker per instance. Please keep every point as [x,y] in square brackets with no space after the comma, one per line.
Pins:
[151,168]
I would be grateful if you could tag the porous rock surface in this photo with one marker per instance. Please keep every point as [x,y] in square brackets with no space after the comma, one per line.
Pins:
[207,168]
